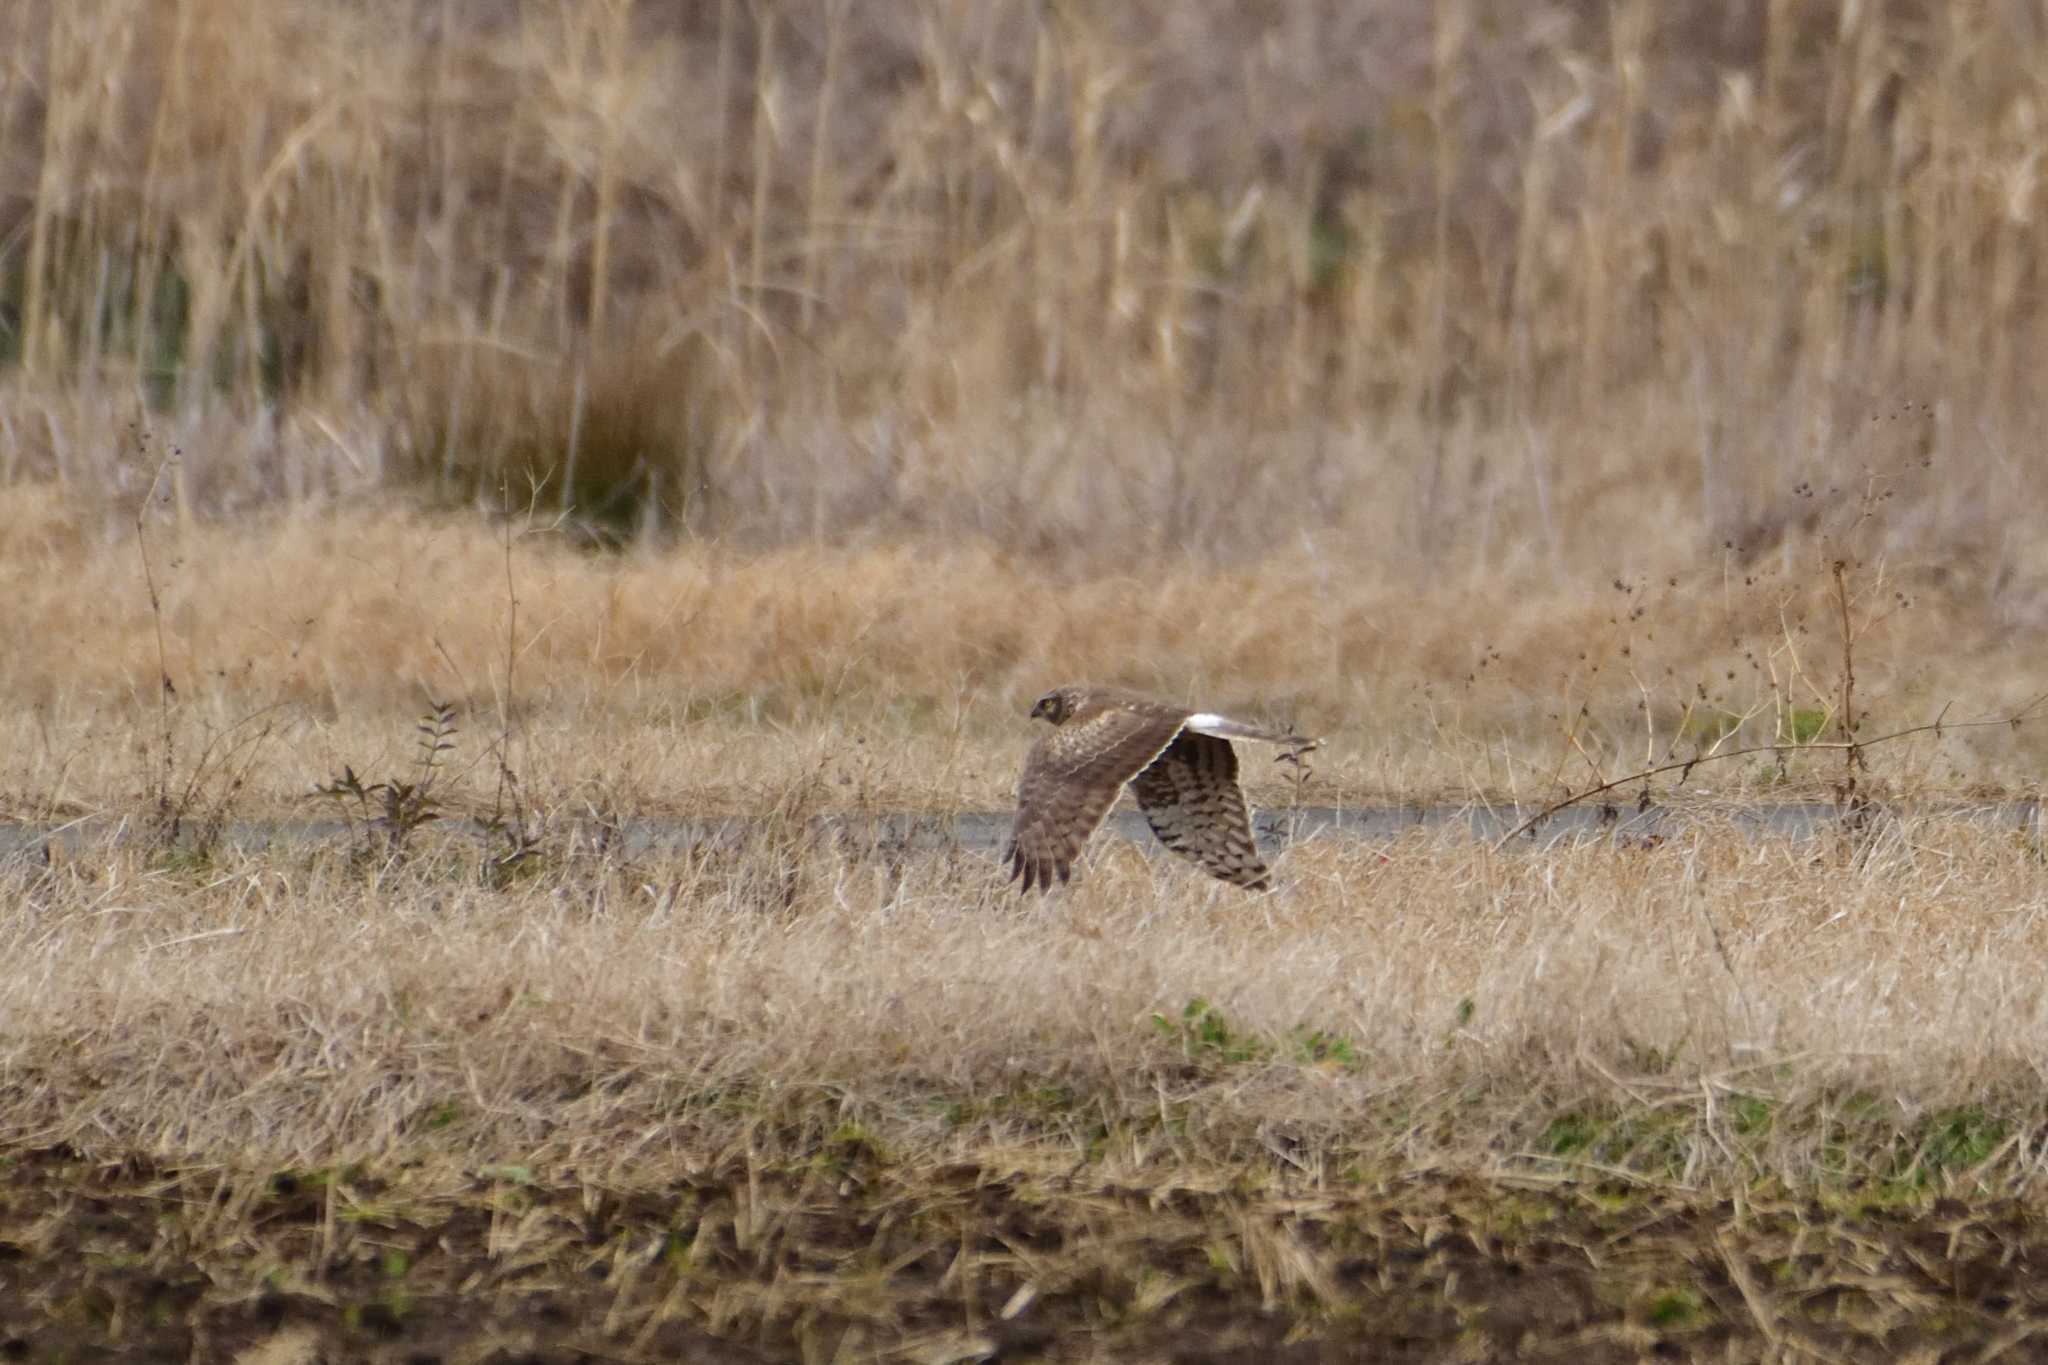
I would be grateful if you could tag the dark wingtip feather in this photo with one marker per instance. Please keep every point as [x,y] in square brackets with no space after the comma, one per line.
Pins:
[1034,874]
[1018,867]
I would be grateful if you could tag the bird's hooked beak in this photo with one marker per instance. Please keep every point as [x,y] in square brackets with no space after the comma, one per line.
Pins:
[1048,708]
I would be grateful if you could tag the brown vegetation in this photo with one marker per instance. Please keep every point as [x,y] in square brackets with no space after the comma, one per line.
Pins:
[1334,360]
[700,678]
[781,1089]
[748,406]
[1438,291]
[845,1257]
[1424,1001]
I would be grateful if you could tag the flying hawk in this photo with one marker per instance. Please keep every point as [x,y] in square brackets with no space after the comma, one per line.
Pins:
[1178,762]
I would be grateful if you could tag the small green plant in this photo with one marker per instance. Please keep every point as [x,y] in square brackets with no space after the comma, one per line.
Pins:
[397,809]
[1318,1045]
[1674,1308]
[1803,724]
[1751,1115]
[852,1145]
[1204,1033]
[1950,1142]
[1567,1134]
[1462,1015]
[521,1176]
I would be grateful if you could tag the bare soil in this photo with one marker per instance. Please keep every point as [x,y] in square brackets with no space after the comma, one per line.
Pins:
[846,1258]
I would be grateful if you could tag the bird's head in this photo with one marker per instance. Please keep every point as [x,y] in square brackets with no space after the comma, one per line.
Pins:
[1056,705]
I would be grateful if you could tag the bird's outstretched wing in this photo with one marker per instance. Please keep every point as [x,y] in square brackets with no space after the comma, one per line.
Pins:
[1190,797]
[1071,780]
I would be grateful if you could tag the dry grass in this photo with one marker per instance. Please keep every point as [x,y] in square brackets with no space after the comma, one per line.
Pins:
[1421,1004]
[1515,394]
[704,679]
[751,1259]
[1444,292]
[1332,363]
[797,1097]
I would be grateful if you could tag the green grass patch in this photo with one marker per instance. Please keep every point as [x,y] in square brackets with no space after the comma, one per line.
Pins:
[1205,1034]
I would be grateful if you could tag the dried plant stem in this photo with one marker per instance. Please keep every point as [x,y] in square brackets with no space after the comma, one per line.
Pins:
[1850,799]
[166,812]
[1938,726]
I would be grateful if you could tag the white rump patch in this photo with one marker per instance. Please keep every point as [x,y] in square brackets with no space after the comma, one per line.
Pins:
[1223,727]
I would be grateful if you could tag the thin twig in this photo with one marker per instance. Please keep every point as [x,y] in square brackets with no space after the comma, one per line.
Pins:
[511,653]
[1852,756]
[166,816]
[1935,726]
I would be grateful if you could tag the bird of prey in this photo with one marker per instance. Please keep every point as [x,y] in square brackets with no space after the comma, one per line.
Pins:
[1179,763]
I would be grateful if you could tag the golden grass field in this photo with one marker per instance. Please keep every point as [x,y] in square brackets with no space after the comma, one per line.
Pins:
[747,408]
